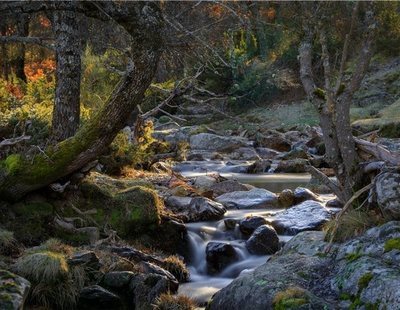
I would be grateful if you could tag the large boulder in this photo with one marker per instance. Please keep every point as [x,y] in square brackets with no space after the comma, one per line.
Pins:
[13,291]
[255,198]
[249,224]
[196,209]
[388,193]
[309,215]
[219,255]
[263,241]
[129,206]
[281,283]
[212,142]
[361,273]
[227,186]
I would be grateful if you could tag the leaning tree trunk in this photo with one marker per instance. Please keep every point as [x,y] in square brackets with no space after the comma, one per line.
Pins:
[18,175]
[68,75]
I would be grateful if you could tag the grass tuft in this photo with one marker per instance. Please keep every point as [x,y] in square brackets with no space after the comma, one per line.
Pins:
[54,284]
[177,267]
[171,302]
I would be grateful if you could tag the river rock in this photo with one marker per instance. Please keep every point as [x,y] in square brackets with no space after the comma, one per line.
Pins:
[244,153]
[286,198]
[309,215]
[96,297]
[196,209]
[388,193]
[146,288]
[266,153]
[212,142]
[204,182]
[276,142]
[227,186]
[248,225]
[260,166]
[263,241]
[117,279]
[292,165]
[88,259]
[334,203]
[219,255]
[230,224]
[302,194]
[255,198]
[294,154]
[13,290]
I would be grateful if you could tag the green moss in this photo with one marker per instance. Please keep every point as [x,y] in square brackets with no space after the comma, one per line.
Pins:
[12,163]
[353,256]
[364,280]
[345,296]
[392,244]
[291,298]
[356,303]
[320,93]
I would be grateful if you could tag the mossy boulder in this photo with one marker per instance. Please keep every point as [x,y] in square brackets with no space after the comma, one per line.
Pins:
[130,211]
[388,128]
[13,291]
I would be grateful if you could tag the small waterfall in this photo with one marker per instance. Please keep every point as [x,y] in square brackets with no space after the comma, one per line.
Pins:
[203,285]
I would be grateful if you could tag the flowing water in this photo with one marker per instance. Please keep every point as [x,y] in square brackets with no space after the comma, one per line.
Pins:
[202,285]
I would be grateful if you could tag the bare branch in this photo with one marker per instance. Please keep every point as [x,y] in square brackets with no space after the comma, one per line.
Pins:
[333,186]
[13,141]
[346,47]
[378,151]
[28,40]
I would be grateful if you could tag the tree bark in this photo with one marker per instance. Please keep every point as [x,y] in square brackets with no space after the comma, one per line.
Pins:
[19,175]
[66,111]
[22,31]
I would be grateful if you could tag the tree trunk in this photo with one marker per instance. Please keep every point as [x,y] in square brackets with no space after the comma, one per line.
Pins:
[22,31]
[260,33]
[68,75]
[5,69]
[19,175]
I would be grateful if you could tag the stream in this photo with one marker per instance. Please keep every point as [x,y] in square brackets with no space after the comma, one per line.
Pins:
[203,285]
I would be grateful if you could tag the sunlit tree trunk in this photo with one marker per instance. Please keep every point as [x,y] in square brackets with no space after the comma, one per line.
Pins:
[68,75]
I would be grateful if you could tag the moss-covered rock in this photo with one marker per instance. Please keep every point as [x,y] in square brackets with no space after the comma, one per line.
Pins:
[13,291]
